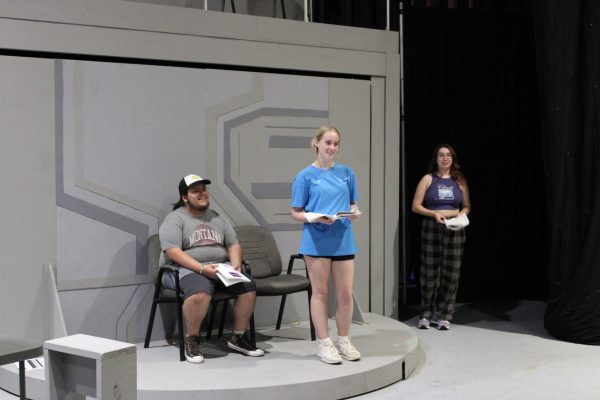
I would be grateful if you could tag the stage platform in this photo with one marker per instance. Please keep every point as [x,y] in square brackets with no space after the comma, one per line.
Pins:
[289,370]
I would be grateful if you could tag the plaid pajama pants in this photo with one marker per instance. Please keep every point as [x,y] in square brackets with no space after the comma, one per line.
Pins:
[441,257]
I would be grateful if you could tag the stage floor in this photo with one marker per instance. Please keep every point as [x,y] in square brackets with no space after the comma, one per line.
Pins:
[290,369]
[494,351]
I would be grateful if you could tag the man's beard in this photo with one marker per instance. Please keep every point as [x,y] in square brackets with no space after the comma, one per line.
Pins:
[198,208]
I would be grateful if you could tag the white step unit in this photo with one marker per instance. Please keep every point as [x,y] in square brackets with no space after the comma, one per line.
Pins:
[81,365]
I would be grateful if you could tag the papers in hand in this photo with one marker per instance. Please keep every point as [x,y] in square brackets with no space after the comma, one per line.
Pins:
[230,276]
[312,217]
[457,223]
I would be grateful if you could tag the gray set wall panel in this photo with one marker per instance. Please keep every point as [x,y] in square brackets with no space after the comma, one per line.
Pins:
[116,28]
[27,198]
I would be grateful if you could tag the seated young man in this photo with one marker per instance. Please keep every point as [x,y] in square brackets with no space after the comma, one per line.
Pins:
[194,237]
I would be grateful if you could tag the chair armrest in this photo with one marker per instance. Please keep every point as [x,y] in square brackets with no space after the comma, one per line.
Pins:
[172,268]
[168,268]
[246,267]
[293,258]
[174,279]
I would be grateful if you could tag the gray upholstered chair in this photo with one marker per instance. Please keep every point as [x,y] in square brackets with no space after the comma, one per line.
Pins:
[262,255]
[164,294]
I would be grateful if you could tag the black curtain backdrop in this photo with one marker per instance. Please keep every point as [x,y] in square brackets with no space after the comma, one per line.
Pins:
[568,48]
[359,13]
[470,81]
[514,86]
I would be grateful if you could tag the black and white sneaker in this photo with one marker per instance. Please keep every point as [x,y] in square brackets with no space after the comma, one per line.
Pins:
[192,350]
[242,344]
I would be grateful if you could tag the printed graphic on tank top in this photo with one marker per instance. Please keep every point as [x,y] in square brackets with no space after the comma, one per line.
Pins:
[445,192]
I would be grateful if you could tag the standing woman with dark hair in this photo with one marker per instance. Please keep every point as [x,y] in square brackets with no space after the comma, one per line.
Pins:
[441,194]
[326,187]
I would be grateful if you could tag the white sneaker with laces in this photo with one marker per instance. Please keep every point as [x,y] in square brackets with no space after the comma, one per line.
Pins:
[347,350]
[328,353]
[423,323]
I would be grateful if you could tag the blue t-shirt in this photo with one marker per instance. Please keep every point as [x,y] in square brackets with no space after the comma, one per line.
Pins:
[326,191]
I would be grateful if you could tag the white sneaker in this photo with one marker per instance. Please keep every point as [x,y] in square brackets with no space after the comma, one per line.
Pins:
[328,353]
[347,350]
[423,323]
[443,325]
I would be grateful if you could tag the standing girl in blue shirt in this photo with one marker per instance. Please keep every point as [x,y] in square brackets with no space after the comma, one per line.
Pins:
[328,244]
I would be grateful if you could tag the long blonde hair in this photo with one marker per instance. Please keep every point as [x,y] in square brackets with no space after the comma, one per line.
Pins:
[320,132]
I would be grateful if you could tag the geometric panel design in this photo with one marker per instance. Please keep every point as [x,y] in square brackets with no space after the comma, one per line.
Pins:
[260,146]
[92,211]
